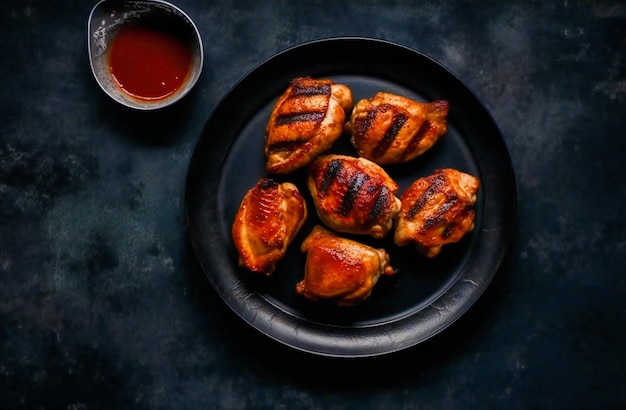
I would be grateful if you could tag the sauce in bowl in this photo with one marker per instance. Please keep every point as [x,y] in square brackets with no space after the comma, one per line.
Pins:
[148,64]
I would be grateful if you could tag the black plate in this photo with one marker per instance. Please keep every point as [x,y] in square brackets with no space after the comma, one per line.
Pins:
[425,296]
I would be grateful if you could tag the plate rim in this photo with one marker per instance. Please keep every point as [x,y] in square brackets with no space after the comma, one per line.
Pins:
[330,340]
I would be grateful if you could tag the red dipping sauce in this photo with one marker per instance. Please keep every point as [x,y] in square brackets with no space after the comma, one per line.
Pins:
[148,64]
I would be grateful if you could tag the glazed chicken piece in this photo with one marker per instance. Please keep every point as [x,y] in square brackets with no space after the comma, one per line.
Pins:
[268,219]
[437,210]
[305,122]
[353,195]
[340,270]
[392,129]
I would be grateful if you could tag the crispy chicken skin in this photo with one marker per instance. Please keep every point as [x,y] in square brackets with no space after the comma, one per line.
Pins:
[305,122]
[392,129]
[353,195]
[268,219]
[437,210]
[340,270]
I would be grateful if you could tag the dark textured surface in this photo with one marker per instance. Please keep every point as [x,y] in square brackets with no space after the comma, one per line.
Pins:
[102,304]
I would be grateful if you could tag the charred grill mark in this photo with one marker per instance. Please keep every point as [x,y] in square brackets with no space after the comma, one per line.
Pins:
[467,210]
[287,146]
[446,207]
[397,122]
[438,182]
[438,218]
[300,90]
[380,204]
[448,231]
[430,223]
[419,136]
[365,123]
[299,117]
[349,198]
[331,174]
[452,226]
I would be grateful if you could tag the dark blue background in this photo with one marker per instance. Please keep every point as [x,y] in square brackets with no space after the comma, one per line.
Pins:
[103,305]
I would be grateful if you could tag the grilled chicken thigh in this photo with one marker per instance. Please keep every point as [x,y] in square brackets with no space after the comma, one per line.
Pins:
[392,129]
[340,270]
[268,219]
[305,122]
[437,210]
[353,195]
